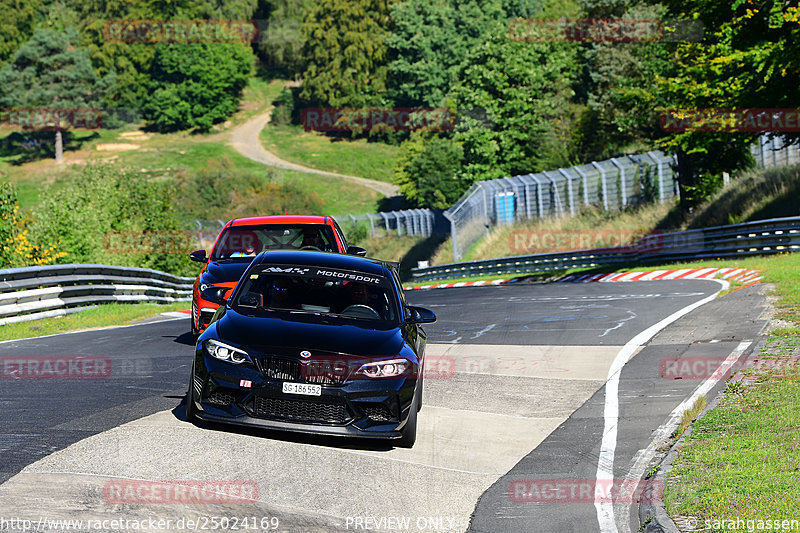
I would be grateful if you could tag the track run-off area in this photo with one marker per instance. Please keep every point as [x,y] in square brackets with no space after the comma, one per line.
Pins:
[527,387]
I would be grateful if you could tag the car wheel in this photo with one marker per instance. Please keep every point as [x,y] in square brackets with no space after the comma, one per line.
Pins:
[418,393]
[191,409]
[409,431]
[195,333]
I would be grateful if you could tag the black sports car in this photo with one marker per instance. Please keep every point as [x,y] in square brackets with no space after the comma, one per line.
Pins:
[313,342]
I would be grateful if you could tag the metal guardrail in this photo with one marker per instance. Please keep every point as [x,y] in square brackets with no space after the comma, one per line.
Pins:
[612,184]
[32,293]
[417,222]
[737,240]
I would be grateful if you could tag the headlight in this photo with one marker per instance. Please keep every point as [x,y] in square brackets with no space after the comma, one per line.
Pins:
[385,369]
[225,352]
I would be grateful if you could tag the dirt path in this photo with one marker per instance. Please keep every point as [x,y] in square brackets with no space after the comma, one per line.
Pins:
[245,139]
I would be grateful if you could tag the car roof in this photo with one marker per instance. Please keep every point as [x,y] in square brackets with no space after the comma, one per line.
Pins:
[280,219]
[323,259]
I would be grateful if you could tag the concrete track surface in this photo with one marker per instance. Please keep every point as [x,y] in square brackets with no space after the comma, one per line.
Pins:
[517,392]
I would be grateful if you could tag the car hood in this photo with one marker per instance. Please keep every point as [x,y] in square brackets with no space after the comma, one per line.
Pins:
[225,271]
[284,337]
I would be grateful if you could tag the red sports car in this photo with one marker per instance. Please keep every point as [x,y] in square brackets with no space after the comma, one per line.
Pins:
[242,239]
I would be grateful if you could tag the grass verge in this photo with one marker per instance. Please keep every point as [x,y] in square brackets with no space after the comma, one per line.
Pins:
[97,317]
[373,160]
[741,460]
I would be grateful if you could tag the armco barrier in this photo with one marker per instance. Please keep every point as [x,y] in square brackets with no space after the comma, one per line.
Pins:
[31,293]
[737,240]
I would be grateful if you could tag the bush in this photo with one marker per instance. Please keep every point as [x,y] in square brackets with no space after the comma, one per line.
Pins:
[85,211]
[284,107]
[16,250]
[196,85]
[427,172]
[220,191]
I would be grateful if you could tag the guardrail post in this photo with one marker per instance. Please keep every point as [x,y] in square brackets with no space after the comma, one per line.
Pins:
[603,181]
[371,225]
[621,181]
[485,207]
[397,223]
[585,180]
[660,181]
[570,198]
[526,182]
[453,236]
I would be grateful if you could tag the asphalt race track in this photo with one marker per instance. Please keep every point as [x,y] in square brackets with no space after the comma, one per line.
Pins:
[516,396]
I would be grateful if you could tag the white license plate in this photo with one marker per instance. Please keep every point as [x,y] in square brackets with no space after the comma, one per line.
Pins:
[302,388]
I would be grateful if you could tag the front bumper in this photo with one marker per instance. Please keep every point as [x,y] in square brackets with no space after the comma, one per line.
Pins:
[241,395]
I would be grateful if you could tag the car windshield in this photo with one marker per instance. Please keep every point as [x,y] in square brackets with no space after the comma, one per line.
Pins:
[248,241]
[317,291]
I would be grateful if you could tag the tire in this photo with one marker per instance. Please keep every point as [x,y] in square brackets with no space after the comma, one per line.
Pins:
[195,333]
[191,410]
[418,394]
[409,431]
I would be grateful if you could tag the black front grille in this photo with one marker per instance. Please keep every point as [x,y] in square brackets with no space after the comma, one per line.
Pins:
[316,371]
[320,411]
[379,413]
[221,398]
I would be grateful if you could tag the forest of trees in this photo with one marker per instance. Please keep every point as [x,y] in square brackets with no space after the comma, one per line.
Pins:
[522,105]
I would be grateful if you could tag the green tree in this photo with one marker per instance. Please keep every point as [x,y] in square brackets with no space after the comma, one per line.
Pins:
[430,40]
[619,85]
[16,26]
[749,57]
[131,62]
[525,90]
[281,46]
[428,172]
[51,72]
[345,50]
[196,85]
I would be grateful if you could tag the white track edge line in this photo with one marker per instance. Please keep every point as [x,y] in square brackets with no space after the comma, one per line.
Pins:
[605,460]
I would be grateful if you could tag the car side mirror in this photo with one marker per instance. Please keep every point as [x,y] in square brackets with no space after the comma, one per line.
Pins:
[356,250]
[199,256]
[420,315]
[215,295]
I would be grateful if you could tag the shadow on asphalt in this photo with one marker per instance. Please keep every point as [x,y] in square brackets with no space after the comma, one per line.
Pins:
[185,338]
[345,443]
